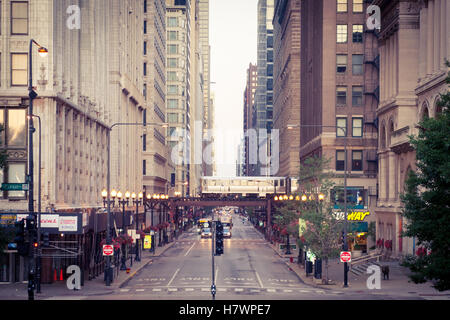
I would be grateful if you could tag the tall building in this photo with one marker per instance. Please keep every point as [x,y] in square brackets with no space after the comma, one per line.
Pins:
[205,48]
[339,81]
[198,84]
[179,88]
[264,91]
[286,106]
[98,53]
[156,158]
[414,42]
[249,102]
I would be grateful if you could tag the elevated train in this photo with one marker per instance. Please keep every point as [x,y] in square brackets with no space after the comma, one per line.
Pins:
[249,187]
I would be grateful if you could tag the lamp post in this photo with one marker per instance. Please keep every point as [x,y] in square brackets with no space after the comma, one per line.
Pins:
[38,262]
[108,270]
[137,202]
[344,131]
[123,202]
[30,178]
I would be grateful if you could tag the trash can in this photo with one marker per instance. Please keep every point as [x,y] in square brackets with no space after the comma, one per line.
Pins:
[318,269]
[309,267]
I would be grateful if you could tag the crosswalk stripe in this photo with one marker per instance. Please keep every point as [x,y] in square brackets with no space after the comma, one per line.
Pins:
[124,290]
[140,290]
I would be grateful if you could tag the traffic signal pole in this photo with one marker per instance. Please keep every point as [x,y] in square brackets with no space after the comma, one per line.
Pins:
[213,286]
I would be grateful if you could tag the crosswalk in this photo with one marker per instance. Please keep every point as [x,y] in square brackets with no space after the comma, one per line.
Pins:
[231,290]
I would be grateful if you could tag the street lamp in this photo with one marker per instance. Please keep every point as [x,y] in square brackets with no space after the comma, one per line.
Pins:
[137,202]
[122,202]
[108,270]
[30,178]
[344,131]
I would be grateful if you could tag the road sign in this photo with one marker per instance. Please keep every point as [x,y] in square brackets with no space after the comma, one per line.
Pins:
[15,187]
[108,250]
[346,256]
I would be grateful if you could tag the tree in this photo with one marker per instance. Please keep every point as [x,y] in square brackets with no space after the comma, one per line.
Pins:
[323,231]
[427,200]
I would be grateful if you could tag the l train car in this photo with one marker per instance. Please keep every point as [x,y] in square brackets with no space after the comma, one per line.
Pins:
[250,187]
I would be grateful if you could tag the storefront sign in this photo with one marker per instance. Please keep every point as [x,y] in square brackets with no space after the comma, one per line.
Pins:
[301,226]
[148,242]
[69,223]
[352,216]
[49,221]
[357,215]
[6,219]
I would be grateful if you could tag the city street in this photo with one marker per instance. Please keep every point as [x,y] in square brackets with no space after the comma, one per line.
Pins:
[248,269]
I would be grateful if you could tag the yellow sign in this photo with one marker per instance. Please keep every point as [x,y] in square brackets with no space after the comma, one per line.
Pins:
[357,215]
[147,242]
[301,226]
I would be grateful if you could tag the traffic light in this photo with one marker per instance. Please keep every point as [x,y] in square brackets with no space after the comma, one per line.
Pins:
[20,239]
[46,239]
[219,238]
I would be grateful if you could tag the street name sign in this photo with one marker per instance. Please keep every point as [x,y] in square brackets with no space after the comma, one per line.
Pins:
[346,256]
[15,186]
[108,250]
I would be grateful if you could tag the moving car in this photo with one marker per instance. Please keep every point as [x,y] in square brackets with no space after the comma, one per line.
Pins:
[226,232]
[206,233]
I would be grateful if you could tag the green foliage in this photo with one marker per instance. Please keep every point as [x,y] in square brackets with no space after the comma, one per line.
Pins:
[427,199]
[322,234]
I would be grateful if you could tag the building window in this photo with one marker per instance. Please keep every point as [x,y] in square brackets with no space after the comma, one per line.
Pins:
[144,91]
[172,76]
[145,26]
[145,6]
[14,124]
[269,55]
[341,63]
[172,103]
[357,94]
[172,62]
[172,89]
[144,142]
[357,160]
[172,22]
[145,68]
[357,64]
[19,69]
[171,35]
[341,33]
[145,47]
[341,95]
[269,85]
[341,127]
[340,160]
[357,127]
[144,167]
[19,18]
[358,6]
[172,132]
[357,33]
[172,48]
[341,5]
[172,117]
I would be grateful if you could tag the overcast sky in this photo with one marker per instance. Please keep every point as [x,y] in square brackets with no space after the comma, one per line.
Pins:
[233,39]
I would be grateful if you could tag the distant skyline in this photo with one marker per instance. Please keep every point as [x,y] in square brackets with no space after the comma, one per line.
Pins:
[233,40]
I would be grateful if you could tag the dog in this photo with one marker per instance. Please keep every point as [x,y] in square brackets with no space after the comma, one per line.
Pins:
[385,270]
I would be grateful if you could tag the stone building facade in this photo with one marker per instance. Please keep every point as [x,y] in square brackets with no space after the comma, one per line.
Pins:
[286,22]
[414,41]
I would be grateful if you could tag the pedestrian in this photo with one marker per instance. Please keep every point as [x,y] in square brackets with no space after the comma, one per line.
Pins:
[385,270]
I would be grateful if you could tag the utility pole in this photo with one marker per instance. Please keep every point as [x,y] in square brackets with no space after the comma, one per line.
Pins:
[213,286]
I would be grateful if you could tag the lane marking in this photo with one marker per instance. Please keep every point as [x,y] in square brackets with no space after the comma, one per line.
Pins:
[238,289]
[217,271]
[189,289]
[174,275]
[271,290]
[124,290]
[172,289]
[140,290]
[156,289]
[189,250]
[259,280]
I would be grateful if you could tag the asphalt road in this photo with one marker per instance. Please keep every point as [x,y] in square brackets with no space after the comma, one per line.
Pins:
[248,269]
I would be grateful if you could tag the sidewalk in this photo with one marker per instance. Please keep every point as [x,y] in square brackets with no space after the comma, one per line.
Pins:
[398,284]
[91,288]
